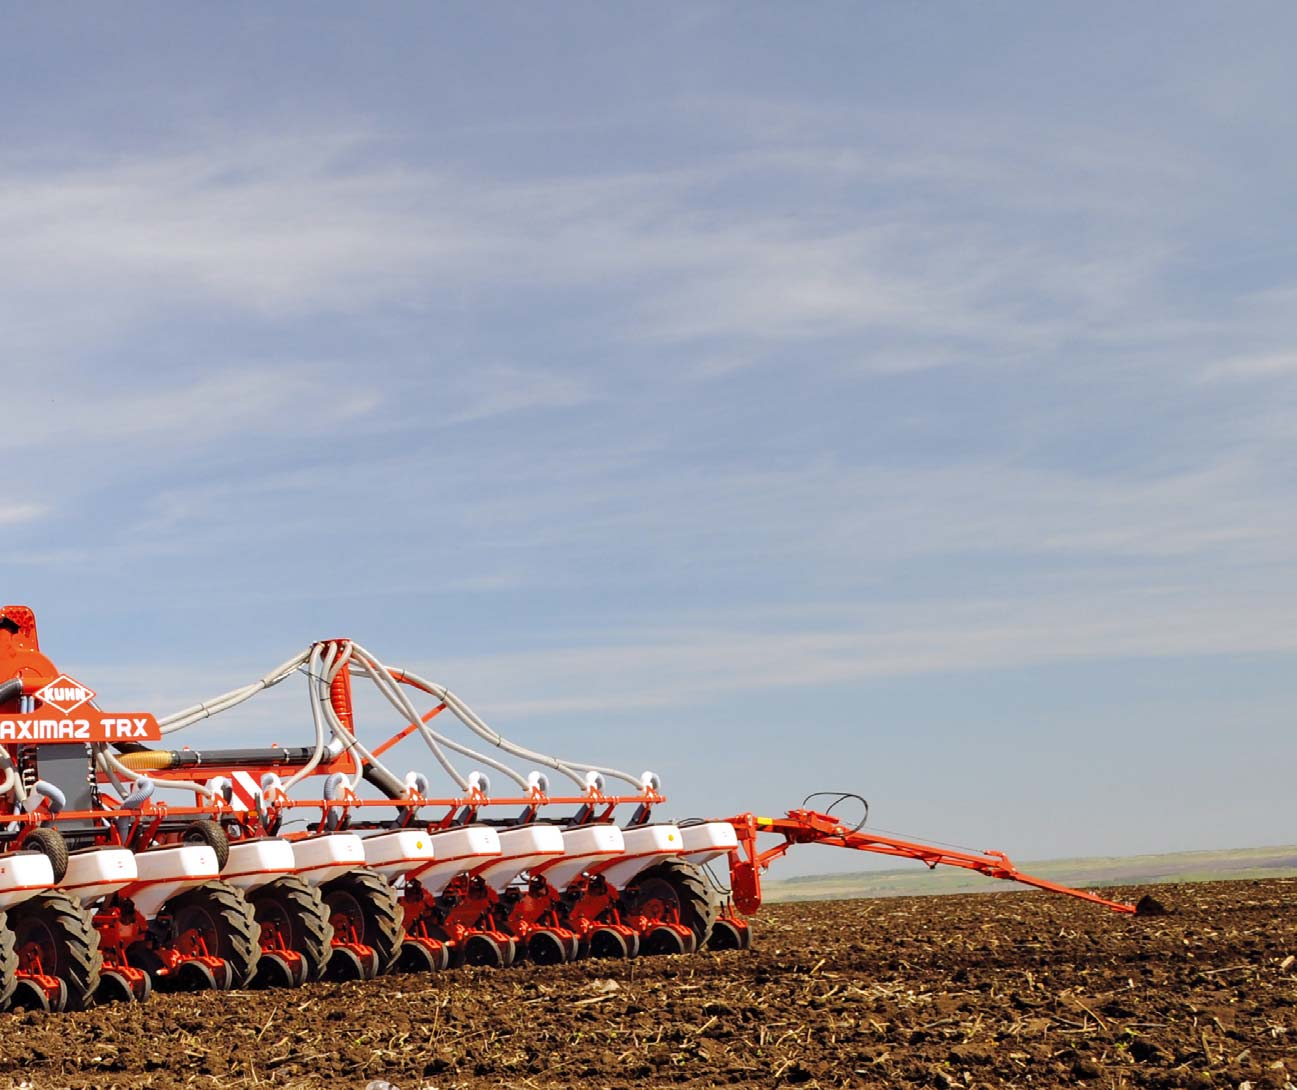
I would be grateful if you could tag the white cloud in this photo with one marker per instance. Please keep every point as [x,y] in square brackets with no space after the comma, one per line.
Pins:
[279,227]
[1260,366]
[573,518]
[679,667]
[15,514]
[477,393]
[696,662]
[968,266]
[877,516]
[197,410]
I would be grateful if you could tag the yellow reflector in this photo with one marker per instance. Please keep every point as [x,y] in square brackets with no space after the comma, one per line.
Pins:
[765,821]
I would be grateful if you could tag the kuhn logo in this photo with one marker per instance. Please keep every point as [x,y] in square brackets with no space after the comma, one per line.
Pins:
[65,693]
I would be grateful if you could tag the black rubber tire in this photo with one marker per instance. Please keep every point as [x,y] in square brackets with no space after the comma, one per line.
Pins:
[698,902]
[663,940]
[69,942]
[725,936]
[607,943]
[366,893]
[347,964]
[29,997]
[206,831]
[8,963]
[482,950]
[297,906]
[546,948]
[225,917]
[417,958]
[49,842]
[114,989]
[196,976]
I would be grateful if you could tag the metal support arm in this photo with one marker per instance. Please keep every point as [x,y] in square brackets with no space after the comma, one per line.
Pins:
[811,827]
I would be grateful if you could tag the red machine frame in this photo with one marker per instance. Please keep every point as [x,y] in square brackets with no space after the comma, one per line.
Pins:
[476,910]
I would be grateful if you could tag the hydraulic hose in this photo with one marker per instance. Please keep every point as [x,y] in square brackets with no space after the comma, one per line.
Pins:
[369,767]
[110,763]
[57,799]
[188,716]
[478,726]
[321,662]
[382,679]
[12,781]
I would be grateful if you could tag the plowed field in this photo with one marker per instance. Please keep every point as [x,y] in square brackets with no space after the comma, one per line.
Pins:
[988,990]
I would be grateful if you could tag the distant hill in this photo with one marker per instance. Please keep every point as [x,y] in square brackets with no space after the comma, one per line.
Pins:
[917,880]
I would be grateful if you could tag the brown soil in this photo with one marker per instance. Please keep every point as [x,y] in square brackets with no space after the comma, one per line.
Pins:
[987,990]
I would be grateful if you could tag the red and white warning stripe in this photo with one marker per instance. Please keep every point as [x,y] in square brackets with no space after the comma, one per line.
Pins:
[245,790]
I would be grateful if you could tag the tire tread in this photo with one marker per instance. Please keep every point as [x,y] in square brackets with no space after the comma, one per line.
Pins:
[239,928]
[384,930]
[700,903]
[314,933]
[8,963]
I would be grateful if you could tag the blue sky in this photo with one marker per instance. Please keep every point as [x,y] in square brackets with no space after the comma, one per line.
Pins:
[892,398]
